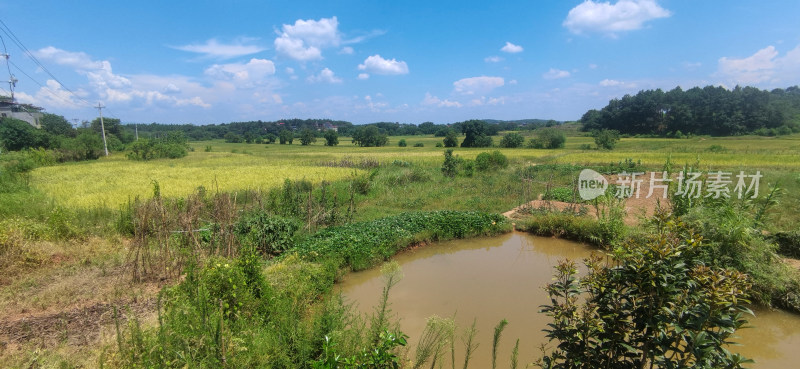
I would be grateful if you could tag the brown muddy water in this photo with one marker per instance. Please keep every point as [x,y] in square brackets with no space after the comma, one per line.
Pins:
[489,279]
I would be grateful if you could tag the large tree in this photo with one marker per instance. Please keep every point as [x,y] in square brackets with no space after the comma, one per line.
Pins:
[475,132]
[57,125]
[369,136]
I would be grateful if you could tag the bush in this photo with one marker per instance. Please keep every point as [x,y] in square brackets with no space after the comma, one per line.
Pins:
[450,164]
[402,143]
[606,138]
[548,138]
[419,144]
[451,139]
[512,140]
[270,235]
[171,146]
[657,304]
[490,161]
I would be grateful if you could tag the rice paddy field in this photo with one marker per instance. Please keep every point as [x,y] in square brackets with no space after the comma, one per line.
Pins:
[216,165]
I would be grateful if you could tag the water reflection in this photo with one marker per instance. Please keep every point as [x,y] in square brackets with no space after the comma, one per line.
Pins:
[502,277]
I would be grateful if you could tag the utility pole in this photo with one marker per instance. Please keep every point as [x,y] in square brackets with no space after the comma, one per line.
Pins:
[136,127]
[102,126]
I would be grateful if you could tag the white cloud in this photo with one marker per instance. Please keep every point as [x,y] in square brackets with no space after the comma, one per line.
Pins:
[347,50]
[52,95]
[610,83]
[378,65]
[477,85]
[306,38]
[765,66]
[171,88]
[555,74]
[326,76]
[604,17]
[493,59]
[363,76]
[243,74]
[512,82]
[214,49]
[511,48]
[79,60]
[105,85]
[431,100]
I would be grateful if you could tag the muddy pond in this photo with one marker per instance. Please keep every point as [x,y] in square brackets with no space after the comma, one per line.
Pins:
[489,279]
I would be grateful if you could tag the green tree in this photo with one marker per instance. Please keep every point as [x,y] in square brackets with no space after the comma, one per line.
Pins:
[369,136]
[331,138]
[307,137]
[285,137]
[113,126]
[475,132]
[548,138]
[656,305]
[450,164]
[450,138]
[57,125]
[512,140]
[231,137]
[427,128]
[402,143]
[17,134]
[606,138]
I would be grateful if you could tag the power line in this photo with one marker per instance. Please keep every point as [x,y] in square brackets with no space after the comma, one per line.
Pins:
[30,55]
[47,89]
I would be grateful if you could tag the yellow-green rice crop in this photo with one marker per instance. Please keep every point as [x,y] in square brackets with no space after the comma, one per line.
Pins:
[111,182]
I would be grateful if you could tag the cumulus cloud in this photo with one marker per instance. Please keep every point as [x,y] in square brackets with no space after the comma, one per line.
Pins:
[765,66]
[347,50]
[555,74]
[610,83]
[477,85]
[104,84]
[306,38]
[52,95]
[511,48]
[244,74]
[378,65]
[493,59]
[324,76]
[363,76]
[431,100]
[79,60]
[214,49]
[604,17]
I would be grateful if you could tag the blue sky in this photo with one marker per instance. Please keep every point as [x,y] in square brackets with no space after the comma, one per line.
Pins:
[407,61]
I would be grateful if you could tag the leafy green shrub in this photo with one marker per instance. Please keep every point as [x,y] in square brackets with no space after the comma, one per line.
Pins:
[439,144]
[419,144]
[512,140]
[548,138]
[270,235]
[490,161]
[450,164]
[606,138]
[450,138]
[716,149]
[171,146]
[656,305]
[586,147]
[577,228]
[402,143]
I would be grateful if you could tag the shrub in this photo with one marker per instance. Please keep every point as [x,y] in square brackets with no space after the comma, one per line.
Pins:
[450,139]
[171,146]
[419,144]
[439,144]
[270,235]
[450,164]
[788,243]
[402,143]
[512,140]
[331,138]
[307,137]
[548,138]
[490,161]
[606,138]
[656,305]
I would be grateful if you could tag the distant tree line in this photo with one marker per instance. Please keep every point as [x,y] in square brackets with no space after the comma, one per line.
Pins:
[710,110]
[270,132]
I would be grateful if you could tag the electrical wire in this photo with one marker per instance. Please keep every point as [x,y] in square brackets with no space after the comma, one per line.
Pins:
[29,54]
